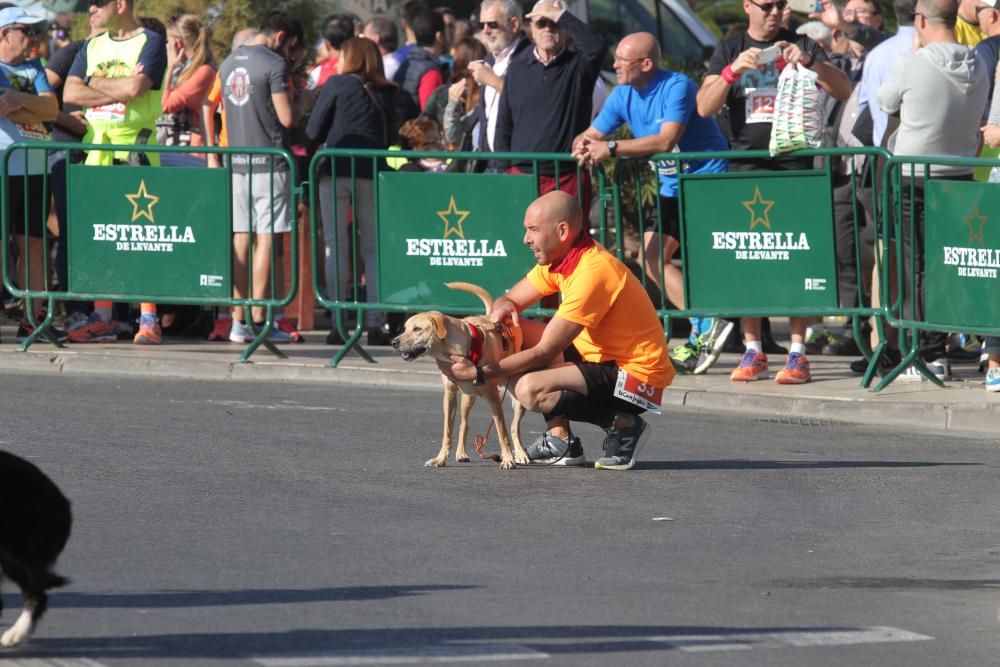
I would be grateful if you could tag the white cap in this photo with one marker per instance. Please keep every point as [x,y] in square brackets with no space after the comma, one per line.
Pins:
[13,15]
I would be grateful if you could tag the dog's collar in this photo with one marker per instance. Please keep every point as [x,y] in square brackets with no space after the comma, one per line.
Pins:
[476,346]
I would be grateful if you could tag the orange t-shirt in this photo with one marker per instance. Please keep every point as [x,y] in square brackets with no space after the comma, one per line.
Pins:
[618,319]
[215,100]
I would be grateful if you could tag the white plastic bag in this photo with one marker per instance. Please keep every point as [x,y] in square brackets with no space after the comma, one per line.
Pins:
[798,112]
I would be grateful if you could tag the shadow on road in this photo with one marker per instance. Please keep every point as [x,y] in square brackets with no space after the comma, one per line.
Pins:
[217,598]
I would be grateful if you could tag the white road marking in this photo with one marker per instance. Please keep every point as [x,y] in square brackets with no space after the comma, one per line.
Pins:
[245,405]
[741,641]
[418,655]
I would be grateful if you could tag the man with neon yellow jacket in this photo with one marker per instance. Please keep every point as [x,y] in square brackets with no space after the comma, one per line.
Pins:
[117,78]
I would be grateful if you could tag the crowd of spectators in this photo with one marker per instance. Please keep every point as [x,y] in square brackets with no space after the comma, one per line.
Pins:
[504,80]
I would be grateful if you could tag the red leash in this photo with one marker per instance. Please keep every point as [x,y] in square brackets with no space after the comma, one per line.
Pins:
[481,439]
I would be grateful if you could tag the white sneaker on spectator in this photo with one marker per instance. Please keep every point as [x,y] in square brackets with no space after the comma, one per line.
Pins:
[939,367]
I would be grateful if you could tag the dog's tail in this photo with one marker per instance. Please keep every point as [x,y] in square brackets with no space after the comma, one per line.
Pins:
[477,290]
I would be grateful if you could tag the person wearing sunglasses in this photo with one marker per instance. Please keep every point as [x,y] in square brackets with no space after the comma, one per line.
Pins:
[748,88]
[938,92]
[117,78]
[26,104]
[968,29]
[547,96]
[502,22]
[659,107]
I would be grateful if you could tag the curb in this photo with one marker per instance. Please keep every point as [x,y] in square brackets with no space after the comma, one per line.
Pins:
[935,413]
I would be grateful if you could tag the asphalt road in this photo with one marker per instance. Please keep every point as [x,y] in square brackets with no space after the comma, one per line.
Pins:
[287,526]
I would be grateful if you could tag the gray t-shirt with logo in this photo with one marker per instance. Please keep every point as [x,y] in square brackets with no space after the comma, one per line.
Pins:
[250,75]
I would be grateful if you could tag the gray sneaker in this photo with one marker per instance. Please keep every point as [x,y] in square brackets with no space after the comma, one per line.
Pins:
[710,344]
[622,445]
[548,449]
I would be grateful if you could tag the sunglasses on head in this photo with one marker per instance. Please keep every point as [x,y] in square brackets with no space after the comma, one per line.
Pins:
[545,24]
[768,7]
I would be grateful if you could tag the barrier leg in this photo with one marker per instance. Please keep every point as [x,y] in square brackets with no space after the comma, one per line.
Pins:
[350,343]
[39,329]
[261,337]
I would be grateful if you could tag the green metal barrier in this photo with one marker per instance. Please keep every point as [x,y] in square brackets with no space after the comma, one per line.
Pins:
[952,247]
[421,230]
[144,233]
[757,243]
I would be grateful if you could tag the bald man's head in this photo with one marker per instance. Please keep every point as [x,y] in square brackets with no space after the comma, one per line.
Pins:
[552,225]
[557,206]
[637,60]
[641,45]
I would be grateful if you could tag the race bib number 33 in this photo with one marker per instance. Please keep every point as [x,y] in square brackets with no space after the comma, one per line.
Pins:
[632,389]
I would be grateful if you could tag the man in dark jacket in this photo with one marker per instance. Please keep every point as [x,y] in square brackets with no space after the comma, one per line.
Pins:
[547,96]
[503,23]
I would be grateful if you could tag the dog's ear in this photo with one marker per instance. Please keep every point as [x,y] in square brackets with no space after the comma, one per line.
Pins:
[439,326]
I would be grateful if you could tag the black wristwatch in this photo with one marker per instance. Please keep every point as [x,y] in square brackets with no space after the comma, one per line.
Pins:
[480,378]
[613,147]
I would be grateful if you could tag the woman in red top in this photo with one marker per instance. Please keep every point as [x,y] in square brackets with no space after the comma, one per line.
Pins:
[190,73]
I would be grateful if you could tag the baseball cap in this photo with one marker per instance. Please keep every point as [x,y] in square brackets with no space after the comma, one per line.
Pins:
[992,3]
[13,15]
[558,5]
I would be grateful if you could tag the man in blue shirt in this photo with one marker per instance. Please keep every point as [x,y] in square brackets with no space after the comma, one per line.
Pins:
[879,64]
[660,108]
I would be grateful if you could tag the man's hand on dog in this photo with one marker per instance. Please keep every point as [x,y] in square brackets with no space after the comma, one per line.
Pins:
[460,370]
[505,310]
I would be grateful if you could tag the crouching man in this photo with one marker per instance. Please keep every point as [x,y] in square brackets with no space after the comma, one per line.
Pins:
[601,359]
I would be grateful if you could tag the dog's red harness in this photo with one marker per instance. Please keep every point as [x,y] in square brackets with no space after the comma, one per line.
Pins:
[476,346]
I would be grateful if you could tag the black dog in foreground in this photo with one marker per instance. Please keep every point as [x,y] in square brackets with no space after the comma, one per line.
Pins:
[35,522]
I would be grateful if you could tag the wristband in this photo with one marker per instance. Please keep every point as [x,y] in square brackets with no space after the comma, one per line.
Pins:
[480,378]
[728,75]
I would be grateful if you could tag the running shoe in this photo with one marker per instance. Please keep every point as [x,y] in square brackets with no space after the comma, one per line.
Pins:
[621,445]
[548,449]
[220,330]
[91,329]
[753,366]
[285,324]
[24,329]
[993,379]
[796,370]
[149,330]
[684,358]
[710,344]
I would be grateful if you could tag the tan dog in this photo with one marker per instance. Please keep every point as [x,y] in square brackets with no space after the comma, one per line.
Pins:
[482,341]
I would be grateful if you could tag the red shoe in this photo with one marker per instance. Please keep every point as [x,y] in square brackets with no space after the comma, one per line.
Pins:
[285,324]
[753,366]
[221,329]
[796,370]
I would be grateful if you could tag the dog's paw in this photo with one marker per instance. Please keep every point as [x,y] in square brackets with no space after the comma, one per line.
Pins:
[507,464]
[463,458]
[435,463]
[521,458]
[19,632]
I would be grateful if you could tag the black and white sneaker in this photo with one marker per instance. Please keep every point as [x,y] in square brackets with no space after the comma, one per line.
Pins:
[548,449]
[621,445]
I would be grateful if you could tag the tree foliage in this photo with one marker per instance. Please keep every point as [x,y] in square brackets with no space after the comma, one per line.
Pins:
[227,17]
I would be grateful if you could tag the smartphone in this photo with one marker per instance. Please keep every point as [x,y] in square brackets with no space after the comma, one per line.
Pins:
[768,55]
[805,6]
